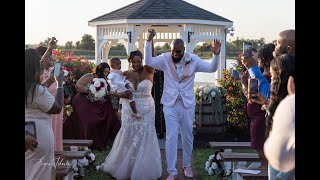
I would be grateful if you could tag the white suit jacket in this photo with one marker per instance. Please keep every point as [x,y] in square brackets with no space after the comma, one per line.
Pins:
[173,85]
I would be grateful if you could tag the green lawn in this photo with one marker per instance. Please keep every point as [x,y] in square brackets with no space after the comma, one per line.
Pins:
[199,158]
[92,174]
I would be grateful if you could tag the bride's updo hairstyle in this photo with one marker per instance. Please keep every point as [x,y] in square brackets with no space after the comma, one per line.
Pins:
[134,53]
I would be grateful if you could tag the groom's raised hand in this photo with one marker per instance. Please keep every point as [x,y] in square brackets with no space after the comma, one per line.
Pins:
[151,34]
[216,46]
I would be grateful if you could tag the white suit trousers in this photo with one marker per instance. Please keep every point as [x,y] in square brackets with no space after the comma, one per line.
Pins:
[178,117]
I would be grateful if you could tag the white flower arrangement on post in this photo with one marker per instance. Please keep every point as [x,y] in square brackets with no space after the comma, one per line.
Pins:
[97,90]
[210,95]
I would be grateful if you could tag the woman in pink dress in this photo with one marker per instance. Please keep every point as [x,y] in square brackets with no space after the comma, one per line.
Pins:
[57,119]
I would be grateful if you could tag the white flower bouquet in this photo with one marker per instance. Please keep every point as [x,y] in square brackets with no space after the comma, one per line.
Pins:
[97,90]
[207,93]
[215,165]
[213,96]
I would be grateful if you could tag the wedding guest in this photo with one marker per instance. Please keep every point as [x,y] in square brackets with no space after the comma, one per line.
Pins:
[281,68]
[255,114]
[39,107]
[47,64]
[95,120]
[280,145]
[285,44]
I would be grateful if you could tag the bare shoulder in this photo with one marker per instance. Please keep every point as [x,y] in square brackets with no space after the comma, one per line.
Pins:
[149,69]
[85,79]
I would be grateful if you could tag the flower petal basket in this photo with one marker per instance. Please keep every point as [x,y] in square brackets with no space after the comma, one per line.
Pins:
[210,111]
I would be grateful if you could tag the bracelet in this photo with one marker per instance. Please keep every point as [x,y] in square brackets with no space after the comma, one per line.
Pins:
[59,88]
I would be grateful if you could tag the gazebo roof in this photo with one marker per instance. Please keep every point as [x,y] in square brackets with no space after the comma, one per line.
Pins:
[160,9]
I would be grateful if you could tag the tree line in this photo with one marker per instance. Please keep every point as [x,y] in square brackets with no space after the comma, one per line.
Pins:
[87,44]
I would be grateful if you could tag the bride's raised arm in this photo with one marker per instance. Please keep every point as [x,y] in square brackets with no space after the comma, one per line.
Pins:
[149,69]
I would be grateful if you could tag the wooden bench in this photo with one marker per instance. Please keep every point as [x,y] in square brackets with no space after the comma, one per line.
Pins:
[233,156]
[262,175]
[77,142]
[239,157]
[72,154]
[230,145]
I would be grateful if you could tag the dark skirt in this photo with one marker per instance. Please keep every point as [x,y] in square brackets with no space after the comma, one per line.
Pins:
[95,120]
[257,125]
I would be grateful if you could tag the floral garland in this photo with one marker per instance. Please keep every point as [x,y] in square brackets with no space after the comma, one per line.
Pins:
[97,90]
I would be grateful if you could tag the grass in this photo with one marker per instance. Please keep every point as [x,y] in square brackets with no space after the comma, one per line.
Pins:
[201,155]
[91,173]
[199,158]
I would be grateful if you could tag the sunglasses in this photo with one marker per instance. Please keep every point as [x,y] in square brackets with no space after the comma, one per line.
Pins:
[176,51]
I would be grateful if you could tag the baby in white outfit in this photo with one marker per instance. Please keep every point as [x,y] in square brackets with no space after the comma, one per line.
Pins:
[118,83]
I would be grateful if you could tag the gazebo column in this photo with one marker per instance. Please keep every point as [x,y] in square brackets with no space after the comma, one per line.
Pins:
[104,52]
[139,33]
[184,37]
[131,39]
[97,46]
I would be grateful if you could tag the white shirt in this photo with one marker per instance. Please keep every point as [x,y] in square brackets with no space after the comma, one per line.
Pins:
[279,148]
[117,80]
[179,67]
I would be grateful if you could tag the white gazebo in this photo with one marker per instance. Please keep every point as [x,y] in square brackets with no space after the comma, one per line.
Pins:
[170,18]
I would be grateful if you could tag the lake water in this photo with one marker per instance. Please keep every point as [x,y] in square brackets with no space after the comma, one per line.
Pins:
[200,77]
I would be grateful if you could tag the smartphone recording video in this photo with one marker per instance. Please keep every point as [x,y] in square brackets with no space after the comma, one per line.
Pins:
[30,129]
[57,68]
[253,90]
[247,49]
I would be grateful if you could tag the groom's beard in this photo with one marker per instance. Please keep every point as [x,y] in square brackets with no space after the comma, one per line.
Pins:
[176,60]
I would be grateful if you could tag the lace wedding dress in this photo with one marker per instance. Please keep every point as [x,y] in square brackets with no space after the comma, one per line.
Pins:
[135,153]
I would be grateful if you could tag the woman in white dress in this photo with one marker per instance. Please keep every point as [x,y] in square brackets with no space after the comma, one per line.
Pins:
[135,153]
[39,107]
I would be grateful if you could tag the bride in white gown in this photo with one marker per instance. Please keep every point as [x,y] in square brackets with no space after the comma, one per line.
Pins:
[135,153]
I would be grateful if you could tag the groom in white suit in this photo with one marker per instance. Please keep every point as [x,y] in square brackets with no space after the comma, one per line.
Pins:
[178,99]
